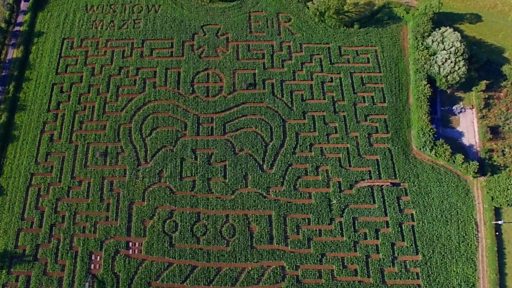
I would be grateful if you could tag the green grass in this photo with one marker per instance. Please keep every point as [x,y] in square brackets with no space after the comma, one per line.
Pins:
[296,153]
[495,23]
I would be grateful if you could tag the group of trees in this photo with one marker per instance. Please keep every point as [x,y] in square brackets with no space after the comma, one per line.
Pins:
[435,56]
[499,184]
[499,188]
[448,57]
[7,9]
[444,56]
[339,13]
[447,62]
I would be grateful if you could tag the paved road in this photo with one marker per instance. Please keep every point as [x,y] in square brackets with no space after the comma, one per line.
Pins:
[12,44]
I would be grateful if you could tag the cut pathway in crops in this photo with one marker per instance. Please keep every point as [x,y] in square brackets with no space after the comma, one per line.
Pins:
[305,130]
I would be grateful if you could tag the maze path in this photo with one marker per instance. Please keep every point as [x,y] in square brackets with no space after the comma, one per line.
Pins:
[160,165]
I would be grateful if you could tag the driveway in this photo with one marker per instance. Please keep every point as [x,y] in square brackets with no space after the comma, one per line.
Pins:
[466,133]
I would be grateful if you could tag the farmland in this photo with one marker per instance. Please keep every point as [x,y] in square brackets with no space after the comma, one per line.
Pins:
[176,144]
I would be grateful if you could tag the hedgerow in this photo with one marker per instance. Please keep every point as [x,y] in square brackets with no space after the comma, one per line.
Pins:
[499,188]
[495,118]
[7,12]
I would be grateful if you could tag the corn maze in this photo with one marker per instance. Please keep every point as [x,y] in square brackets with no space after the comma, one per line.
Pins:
[216,158]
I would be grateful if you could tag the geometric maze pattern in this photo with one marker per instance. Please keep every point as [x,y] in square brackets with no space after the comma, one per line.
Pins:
[215,161]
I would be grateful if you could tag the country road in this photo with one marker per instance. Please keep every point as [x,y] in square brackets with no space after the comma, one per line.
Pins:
[12,45]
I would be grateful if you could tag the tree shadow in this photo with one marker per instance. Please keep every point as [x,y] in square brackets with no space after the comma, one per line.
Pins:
[9,128]
[95,281]
[39,5]
[380,16]
[485,59]
[453,138]
[11,259]
[19,67]
[496,132]
[453,18]
[449,100]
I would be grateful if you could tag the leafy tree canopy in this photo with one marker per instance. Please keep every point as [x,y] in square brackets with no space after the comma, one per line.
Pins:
[448,62]
[499,187]
[332,12]
[338,13]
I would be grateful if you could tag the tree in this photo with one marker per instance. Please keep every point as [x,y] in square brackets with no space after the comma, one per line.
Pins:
[331,12]
[448,61]
[430,6]
[499,187]
[337,13]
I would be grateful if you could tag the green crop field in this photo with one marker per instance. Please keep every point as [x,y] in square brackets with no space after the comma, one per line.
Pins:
[179,144]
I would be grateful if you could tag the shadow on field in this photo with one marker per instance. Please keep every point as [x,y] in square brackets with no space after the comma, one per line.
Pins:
[485,59]
[39,5]
[19,67]
[98,283]
[380,17]
[453,18]
[94,281]
[10,259]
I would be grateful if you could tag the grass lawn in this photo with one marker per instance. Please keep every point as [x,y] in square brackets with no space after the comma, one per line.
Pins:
[496,21]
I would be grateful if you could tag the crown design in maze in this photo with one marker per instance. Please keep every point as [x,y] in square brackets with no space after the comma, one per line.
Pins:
[221,162]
